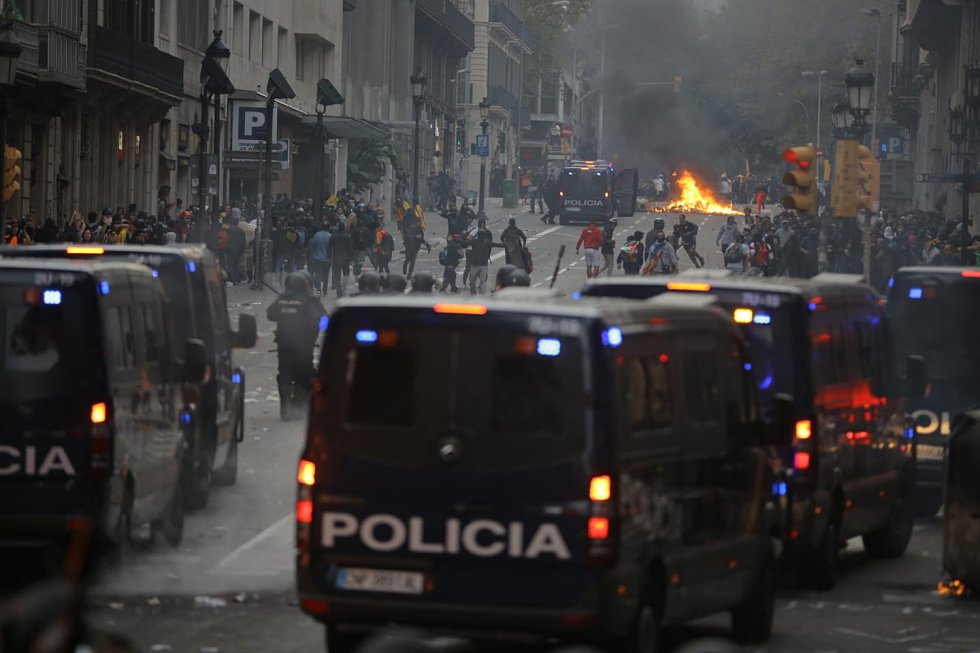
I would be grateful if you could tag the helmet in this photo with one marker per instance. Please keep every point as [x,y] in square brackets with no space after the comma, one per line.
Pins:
[394,284]
[503,276]
[369,283]
[519,278]
[297,282]
[423,282]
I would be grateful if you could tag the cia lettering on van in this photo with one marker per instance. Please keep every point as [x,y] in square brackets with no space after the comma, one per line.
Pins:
[13,461]
[928,422]
[484,538]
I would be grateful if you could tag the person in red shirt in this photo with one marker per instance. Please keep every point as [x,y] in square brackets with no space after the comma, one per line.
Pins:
[592,238]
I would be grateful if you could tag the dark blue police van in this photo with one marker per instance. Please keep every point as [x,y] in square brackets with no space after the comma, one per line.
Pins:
[534,469]
[934,312]
[93,436]
[594,190]
[849,470]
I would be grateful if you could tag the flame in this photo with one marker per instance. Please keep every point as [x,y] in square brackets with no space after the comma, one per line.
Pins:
[951,588]
[693,199]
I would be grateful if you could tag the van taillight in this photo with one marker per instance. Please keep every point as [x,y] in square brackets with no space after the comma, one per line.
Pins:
[307,472]
[99,413]
[801,460]
[599,530]
[600,488]
[306,478]
[804,429]
[304,511]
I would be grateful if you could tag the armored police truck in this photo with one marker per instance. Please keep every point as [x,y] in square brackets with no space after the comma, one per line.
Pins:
[90,390]
[595,190]
[534,468]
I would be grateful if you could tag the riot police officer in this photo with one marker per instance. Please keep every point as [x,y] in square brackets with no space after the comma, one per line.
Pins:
[298,315]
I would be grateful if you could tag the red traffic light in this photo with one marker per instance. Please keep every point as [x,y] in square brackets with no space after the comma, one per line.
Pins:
[801,156]
[789,155]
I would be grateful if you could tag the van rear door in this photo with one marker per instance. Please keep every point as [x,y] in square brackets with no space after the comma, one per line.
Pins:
[452,451]
[52,392]
[625,189]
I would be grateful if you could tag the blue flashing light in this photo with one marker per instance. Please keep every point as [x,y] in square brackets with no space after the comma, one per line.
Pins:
[104,288]
[813,306]
[324,321]
[766,383]
[366,337]
[915,293]
[236,378]
[612,337]
[191,266]
[156,273]
[779,489]
[576,295]
[762,318]
[910,433]
[875,320]
[747,367]
[891,281]
[549,347]
[51,297]
[185,418]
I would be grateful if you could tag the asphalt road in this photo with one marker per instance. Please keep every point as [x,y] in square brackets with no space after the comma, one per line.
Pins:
[229,586]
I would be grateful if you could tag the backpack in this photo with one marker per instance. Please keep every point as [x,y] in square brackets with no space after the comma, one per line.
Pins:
[444,256]
[734,253]
[630,251]
[222,240]
[528,260]
[762,254]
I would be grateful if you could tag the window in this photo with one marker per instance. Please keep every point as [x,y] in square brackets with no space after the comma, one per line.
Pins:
[254,37]
[648,393]
[281,44]
[152,339]
[381,388]
[238,40]
[549,95]
[701,388]
[193,21]
[528,397]
[164,17]
[268,46]
[119,332]
[310,61]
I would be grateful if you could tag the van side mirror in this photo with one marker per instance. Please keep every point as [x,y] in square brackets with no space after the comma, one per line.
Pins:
[916,377]
[782,429]
[195,364]
[247,332]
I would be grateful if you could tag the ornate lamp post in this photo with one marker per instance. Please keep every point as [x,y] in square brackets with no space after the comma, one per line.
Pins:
[10,50]
[418,81]
[484,114]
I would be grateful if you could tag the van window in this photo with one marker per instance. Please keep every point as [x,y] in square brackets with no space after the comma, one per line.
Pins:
[527,396]
[120,337]
[647,382]
[702,395]
[382,387]
[152,337]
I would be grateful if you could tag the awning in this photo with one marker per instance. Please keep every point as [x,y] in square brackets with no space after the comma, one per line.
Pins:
[352,128]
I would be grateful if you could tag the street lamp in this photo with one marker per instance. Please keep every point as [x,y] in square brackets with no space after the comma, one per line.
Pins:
[277,88]
[326,96]
[842,119]
[9,54]
[219,52]
[957,125]
[971,90]
[214,83]
[860,82]
[418,81]
[484,114]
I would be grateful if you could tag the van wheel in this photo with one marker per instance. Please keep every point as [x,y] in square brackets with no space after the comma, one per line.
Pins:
[752,619]
[198,488]
[891,540]
[172,524]
[645,635]
[818,568]
[343,641]
[228,474]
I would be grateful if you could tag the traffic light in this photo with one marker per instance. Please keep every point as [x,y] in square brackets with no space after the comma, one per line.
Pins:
[501,141]
[11,171]
[867,176]
[804,179]
[460,135]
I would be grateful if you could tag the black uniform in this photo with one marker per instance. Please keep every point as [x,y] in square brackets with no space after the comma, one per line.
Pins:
[297,314]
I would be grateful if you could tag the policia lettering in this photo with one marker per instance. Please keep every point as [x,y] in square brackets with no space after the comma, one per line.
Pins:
[929,423]
[484,538]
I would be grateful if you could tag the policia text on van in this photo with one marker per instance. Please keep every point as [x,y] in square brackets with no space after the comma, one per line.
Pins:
[92,405]
[850,469]
[194,290]
[582,470]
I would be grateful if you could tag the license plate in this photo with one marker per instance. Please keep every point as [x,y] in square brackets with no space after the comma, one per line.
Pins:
[572,209]
[359,579]
[929,452]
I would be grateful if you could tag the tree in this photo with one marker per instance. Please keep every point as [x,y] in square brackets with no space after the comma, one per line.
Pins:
[367,167]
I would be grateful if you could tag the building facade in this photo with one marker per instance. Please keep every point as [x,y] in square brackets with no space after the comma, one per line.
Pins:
[936,52]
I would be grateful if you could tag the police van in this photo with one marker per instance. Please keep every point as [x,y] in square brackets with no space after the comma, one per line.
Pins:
[91,395]
[933,312]
[849,470]
[534,469]
[192,282]
[590,190]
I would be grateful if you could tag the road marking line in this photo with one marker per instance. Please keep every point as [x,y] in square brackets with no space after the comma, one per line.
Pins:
[262,537]
[500,255]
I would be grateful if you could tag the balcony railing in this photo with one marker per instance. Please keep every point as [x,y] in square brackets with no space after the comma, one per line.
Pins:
[501,97]
[446,13]
[52,54]
[122,55]
[501,14]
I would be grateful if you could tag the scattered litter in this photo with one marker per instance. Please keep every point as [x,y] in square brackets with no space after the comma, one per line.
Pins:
[241,597]
[256,438]
[117,605]
[161,647]
[153,601]
[209,602]
[250,400]
[272,398]
[218,528]
[265,429]
[209,649]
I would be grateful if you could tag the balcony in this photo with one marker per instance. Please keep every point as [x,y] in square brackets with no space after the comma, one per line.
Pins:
[501,97]
[52,55]
[123,57]
[501,14]
[904,88]
[445,14]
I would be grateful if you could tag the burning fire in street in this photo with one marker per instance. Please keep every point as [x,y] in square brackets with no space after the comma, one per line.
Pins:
[693,199]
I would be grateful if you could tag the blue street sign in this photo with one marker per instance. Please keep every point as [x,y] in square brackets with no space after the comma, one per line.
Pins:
[483,144]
